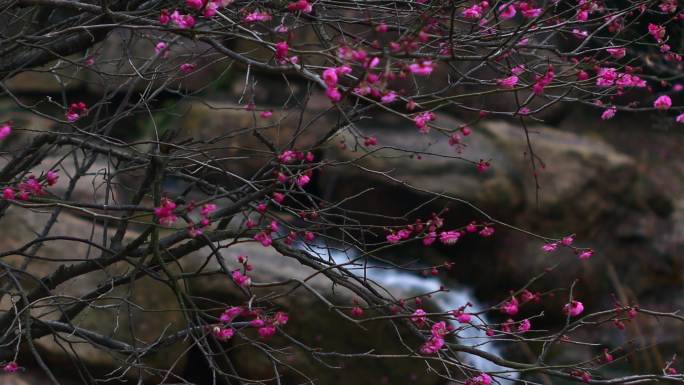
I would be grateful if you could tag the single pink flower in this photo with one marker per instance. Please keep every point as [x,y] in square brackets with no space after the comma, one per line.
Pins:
[333,94]
[449,237]
[393,238]
[182,21]
[608,113]
[463,318]
[280,318]
[8,193]
[303,180]
[524,326]
[432,346]
[257,323]
[507,12]
[240,279]
[161,49]
[257,16]
[518,70]
[486,231]
[473,12]
[5,131]
[573,308]
[617,53]
[194,4]
[370,141]
[510,307]
[223,334]
[585,254]
[287,156]
[210,9]
[418,317]
[508,82]
[229,314]
[207,209]
[301,5]
[663,103]
[657,31]
[266,331]
[10,367]
[430,238]
[51,178]
[356,312]
[482,379]
[187,68]
[421,121]
[471,227]
[389,97]
[281,51]
[550,247]
[164,17]
[423,68]
[531,13]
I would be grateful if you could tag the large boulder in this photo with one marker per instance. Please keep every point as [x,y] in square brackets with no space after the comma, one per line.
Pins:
[405,162]
[136,311]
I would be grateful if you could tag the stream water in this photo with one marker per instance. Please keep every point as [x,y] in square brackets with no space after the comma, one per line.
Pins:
[405,284]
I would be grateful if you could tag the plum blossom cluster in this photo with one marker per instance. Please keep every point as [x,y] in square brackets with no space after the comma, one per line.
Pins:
[165,213]
[5,130]
[372,79]
[10,367]
[76,111]
[293,172]
[265,324]
[240,277]
[282,50]
[506,11]
[204,8]
[567,241]
[429,232]
[623,314]
[31,186]
[436,340]
[302,177]
[204,221]
[511,307]
[265,236]
[480,379]
[364,69]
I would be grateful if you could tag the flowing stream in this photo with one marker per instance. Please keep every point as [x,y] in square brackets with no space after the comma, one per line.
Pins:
[405,284]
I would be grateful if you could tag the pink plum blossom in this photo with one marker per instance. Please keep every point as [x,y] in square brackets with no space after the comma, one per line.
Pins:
[508,82]
[663,103]
[574,308]
[240,279]
[164,213]
[608,113]
[5,131]
[10,367]
[423,68]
